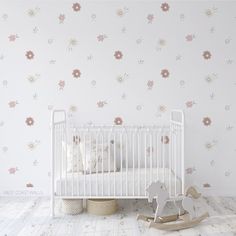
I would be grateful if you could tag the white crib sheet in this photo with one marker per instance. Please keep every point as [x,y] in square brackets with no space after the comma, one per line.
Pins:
[103,184]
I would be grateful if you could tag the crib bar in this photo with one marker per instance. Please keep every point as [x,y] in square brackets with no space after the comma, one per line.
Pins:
[90,166]
[85,158]
[138,141]
[73,144]
[145,154]
[127,163]
[109,167]
[123,160]
[133,161]
[103,162]
[114,165]
[151,157]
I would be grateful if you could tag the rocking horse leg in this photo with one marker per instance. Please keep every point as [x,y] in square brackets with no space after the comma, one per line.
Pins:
[159,210]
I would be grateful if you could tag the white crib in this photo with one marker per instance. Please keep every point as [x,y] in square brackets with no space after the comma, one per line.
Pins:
[103,161]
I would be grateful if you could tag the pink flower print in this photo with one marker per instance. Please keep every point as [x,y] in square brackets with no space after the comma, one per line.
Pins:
[76,6]
[101,37]
[165,139]
[190,170]
[206,55]
[120,12]
[29,121]
[150,18]
[61,84]
[150,84]
[189,104]
[162,108]
[206,121]
[118,55]
[12,37]
[189,37]
[12,104]
[12,170]
[165,6]
[118,121]
[29,55]
[61,18]
[101,104]
[76,73]
[165,73]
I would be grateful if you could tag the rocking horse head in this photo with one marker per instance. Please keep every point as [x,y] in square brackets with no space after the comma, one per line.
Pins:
[155,189]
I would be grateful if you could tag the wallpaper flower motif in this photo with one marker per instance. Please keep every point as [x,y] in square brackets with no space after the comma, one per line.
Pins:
[76,6]
[118,55]
[76,73]
[165,73]
[29,55]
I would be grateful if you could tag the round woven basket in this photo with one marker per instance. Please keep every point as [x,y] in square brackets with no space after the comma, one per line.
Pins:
[72,206]
[101,206]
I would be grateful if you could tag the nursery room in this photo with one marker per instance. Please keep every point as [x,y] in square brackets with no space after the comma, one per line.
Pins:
[117,117]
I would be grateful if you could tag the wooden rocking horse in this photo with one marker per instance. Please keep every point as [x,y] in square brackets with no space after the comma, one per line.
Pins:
[187,220]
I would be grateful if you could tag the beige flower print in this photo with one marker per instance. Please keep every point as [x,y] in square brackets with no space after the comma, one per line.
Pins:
[76,7]
[165,7]
[165,73]
[29,55]
[72,43]
[33,78]
[206,121]
[33,12]
[118,121]
[209,145]
[210,11]
[118,55]
[33,144]
[29,121]
[73,108]
[121,12]
[206,55]
[76,73]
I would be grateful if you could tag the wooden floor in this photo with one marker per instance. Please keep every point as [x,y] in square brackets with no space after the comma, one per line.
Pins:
[30,216]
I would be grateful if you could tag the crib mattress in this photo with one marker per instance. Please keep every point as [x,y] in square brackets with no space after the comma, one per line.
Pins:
[120,184]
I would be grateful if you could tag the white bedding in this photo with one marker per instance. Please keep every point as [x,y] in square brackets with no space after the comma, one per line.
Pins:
[103,184]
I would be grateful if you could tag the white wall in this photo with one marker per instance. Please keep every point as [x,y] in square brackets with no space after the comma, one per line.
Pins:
[174,40]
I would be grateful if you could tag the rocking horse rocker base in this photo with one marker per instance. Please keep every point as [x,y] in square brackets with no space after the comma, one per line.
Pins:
[180,223]
[188,218]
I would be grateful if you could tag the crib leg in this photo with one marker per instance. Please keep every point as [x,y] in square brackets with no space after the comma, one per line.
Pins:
[52,206]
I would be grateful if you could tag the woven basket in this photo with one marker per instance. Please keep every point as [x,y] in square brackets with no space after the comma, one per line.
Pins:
[72,206]
[101,206]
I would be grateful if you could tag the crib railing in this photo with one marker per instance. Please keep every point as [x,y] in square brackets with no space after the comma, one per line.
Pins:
[124,160]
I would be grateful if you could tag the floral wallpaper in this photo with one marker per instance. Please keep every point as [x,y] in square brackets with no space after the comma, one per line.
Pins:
[119,62]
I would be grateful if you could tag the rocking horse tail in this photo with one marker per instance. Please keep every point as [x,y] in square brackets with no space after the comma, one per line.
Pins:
[192,192]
